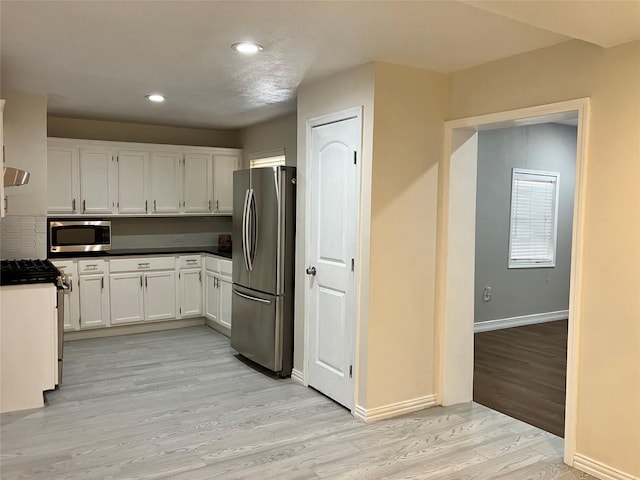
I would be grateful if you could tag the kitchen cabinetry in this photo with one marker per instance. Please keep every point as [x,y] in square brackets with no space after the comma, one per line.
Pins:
[224,164]
[72,297]
[218,291]
[62,179]
[95,180]
[132,182]
[122,178]
[142,289]
[164,178]
[190,277]
[94,294]
[198,183]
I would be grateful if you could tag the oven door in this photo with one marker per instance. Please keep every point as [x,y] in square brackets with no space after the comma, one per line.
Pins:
[79,236]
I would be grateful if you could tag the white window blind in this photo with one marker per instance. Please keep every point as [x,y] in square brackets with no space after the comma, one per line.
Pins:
[534,219]
[267,158]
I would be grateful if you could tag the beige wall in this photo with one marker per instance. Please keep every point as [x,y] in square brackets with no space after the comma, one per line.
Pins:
[135,132]
[274,134]
[608,417]
[25,139]
[349,89]
[407,147]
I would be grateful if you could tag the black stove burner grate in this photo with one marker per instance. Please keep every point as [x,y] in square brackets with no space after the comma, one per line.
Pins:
[16,272]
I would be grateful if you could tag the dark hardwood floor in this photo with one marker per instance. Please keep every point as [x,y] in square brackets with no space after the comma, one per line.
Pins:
[521,372]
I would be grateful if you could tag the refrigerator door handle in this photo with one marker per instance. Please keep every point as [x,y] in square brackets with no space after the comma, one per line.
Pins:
[245,221]
[253,226]
[249,297]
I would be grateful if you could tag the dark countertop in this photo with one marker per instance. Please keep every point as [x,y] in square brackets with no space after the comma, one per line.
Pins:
[119,252]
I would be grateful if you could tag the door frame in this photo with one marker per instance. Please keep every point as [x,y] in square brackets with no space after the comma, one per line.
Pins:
[347,114]
[456,255]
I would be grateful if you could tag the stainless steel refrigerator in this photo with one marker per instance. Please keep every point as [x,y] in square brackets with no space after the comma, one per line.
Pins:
[263,252]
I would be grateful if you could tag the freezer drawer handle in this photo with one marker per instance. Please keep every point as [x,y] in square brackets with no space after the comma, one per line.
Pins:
[249,297]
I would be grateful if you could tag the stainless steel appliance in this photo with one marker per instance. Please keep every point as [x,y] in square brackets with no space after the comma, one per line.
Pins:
[79,235]
[263,263]
[22,272]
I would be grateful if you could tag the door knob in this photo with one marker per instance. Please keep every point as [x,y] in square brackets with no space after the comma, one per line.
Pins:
[311,270]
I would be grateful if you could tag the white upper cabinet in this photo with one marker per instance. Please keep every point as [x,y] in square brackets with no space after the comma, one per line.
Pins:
[63,191]
[164,178]
[95,180]
[224,164]
[94,177]
[132,181]
[198,182]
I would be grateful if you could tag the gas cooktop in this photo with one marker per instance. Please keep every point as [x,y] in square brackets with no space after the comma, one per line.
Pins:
[18,272]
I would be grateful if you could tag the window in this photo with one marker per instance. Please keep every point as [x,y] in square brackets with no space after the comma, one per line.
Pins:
[270,158]
[534,219]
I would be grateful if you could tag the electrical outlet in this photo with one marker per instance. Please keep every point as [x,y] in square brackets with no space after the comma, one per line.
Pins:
[487,294]
[179,238]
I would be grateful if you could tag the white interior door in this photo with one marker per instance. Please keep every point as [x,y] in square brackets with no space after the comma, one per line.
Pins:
[332,248]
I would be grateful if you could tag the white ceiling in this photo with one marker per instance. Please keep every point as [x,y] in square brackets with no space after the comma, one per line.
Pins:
[98,59]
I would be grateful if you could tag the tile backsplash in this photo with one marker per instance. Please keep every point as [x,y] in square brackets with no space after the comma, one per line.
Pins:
[23,237]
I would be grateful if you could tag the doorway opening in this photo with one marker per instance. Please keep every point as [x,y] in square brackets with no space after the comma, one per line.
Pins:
[456,310]
[524,215]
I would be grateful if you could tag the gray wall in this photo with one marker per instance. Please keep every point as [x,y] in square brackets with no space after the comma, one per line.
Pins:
[524,291]
[278,133]
[168,231]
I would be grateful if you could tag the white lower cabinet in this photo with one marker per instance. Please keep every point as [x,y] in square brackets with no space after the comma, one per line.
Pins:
[191,293]
[94,306]
[218,291]
[141,295]
[160,295]
[72,297]
[130,290]
[127,304]
[212,296]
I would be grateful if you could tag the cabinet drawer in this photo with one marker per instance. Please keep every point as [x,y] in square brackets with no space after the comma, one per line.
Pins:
[226,268]
[66,267]
[212,264]
[91,266]
[190,261]
[142,264]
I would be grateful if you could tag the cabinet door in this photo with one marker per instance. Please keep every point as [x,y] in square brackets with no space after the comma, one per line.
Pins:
[132,191]
[94,310]
[211,296]
[62,180]
[72,305]
[191,293]
[224,315]
[126,293]
[95,180]
[224,164]
[160,295]
[197,183]
[164,179]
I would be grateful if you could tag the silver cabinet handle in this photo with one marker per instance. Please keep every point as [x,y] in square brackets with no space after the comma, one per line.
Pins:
[146,284]
[146,206]
[140,281]
[155,209]
[217,205]
[102,283]
[200,277]
[249,297]
[84,206]
[311,270]
[209,203]
[73,205]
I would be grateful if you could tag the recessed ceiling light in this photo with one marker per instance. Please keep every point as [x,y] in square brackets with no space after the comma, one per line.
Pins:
[156,97]
[247,48]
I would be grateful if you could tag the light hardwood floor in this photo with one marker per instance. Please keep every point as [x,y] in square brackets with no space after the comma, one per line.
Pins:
[178,405]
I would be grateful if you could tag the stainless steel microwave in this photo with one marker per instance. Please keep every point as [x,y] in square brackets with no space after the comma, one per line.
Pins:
[79,236]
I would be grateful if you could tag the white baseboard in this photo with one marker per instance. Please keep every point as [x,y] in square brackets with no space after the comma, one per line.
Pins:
[599,470]
[395,409]
[520,321]
[131,329]
[297,376]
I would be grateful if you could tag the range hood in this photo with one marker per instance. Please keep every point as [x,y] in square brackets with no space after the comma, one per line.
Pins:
[14,177]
